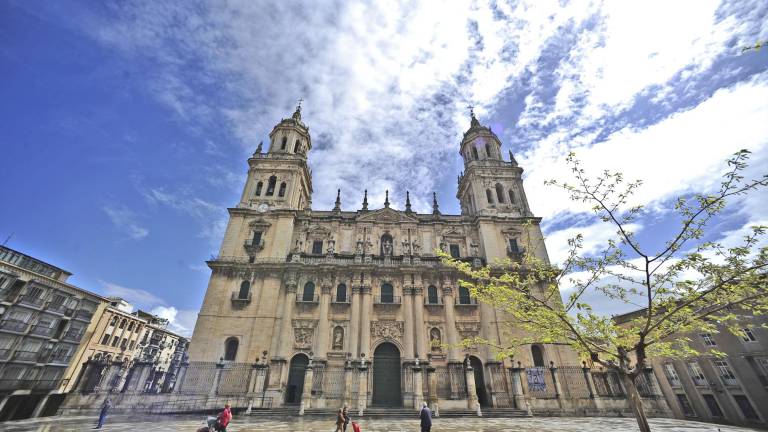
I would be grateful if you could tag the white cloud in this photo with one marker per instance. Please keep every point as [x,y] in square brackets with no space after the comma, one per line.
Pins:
[181,322]
[595,239]
[125,220]
[138,297]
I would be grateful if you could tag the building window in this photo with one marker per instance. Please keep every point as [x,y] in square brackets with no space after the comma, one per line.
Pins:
[259,185]
[130,326]
[489,196]
[115,340]
[245,290]
[256,238]
[114,321]
[464,296]
[341,293]
[488,150]
[697,374]
[714,407]
[671,374]
[726,374]
[317,247]
[746,407]
[122,323]
[387,293]
[271,186]
[537,353]
[281,192]
[432,295]
[511,196]
[230,349]
[455,253]
[685,405]
[499,193]
[708,340]
[513,248]
[105,339]
[131,345]
[747,335]
[474,153]
[284,143]
[124,344]
[309,292]
[296,146]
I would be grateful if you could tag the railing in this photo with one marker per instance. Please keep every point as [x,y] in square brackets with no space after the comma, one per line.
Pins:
[433,302]
[72,336]
[27,356]
[31,301]
[59,308]
[14,326]
[573,382]
[336,300]
[314,300]
[386,299]
[5,353]
[335,259]
[540,382]
[607,384]
[83,314]
[236,297]
[42,331]
[466,301]
[31,384]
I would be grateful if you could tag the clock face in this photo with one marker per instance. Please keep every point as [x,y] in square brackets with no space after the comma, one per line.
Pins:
[263,207]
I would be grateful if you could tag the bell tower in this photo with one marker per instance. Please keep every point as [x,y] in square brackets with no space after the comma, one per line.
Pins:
[280,178]
[489,185]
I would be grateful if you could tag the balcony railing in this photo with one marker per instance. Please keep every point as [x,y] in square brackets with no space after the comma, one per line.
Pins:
[237,299]
[83,314]
[516,254]
[303,300]
[5,354]
[433,302]
[29,384]
[386,299]
[33,301]
[343,301]
[28,356]
[466,301]
[252,246]
[42,331]
[58,308]
[72,336]
[730,381]
[59,358]
[14,326]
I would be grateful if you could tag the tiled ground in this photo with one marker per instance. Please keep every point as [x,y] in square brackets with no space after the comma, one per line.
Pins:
[252,424]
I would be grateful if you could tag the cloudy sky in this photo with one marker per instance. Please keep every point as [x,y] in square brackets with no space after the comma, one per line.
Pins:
[126,125]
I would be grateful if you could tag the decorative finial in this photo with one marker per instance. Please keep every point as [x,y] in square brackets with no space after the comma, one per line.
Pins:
[407,202]
[473,120]
[471,111]
[365,201]
[258,148]
[337,206]
[512,159]
[298,106]
[435,207]
[386,199]
[297,113]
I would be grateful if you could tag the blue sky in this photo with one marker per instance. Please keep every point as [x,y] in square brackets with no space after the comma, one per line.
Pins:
[126,126]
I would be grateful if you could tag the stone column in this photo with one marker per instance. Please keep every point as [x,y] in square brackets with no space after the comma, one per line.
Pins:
[418,313]
[518,388]
[286,337]
[354,323]
[321,343]
[362,388]
[472,402]
[408,314]
[591,386]
[216,380]
[348,374]
[488,329]
[180,378]
[306,394]
[450,324]
[418,392]
[556,383]
[365,322]
[432,388]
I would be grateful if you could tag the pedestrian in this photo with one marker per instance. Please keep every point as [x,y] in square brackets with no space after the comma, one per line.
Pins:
[339,421]
[426,418]
[346,417]
[103,414]
[223,419]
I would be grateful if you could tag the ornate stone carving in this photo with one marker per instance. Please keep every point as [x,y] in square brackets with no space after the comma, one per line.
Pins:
[435,339]
[302,338]
[387,329]
[468,329]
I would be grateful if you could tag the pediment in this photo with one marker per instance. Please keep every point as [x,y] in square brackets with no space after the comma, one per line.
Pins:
[319,231]
[259,223]
[453,232]
[386,215]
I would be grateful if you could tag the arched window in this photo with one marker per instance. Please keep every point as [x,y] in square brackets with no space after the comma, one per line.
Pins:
[489,195]
[474,153]
[230,349]
[130,326]
[296,146]
[114,321]
[271,186]
[284,143]
[432,295]
[309,292]
[281,193]
[511,196]
[464,295]
[122,323]
[488,150]
[386,245]
[259,185]
[245,290]
[499,193]
[341,293]
[387,293]
[538,355]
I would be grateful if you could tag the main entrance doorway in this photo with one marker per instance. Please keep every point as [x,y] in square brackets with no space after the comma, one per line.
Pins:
[296,379]
[386,376]
[482,393]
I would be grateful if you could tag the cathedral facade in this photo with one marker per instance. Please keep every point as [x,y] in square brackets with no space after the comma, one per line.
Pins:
[331,293]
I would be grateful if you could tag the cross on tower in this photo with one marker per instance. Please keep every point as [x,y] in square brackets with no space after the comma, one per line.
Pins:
[471,110]
[300,101]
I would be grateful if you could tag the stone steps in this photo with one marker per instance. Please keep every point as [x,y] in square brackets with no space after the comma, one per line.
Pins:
[504,412]
[379,412]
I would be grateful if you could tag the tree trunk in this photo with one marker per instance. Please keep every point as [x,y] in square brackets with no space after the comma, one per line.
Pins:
[633,397]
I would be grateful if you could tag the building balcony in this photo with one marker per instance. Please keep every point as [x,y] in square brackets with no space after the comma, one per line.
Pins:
[42,331]
[515,254]
[305,300]
[57,308]
[237,299]
[59,358]
[83,315]
[14,326]
[466,301]
[25,356]
[5,354]
[72,336]
[32,301]
[387,300]
[340,301]
[433,302]
[253,246]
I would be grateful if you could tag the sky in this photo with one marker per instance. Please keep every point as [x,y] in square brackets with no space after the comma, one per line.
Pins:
[126,126]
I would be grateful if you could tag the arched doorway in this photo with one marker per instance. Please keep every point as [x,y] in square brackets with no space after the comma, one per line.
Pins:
[482,394]
[296,379]
[386,376]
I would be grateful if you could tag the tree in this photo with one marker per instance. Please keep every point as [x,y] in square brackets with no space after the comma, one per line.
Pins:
[687,284]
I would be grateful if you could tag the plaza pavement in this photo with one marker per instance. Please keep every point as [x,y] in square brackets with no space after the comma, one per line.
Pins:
[122,423]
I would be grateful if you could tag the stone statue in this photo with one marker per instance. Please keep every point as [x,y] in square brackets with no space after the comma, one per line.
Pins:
[405,246]
[386,247]
[359,248]
[416,246]
[331,246]
[338,339]
[434,339]
[475,249]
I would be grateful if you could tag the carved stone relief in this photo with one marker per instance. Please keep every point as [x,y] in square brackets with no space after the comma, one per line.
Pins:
[468,329]
[387,329]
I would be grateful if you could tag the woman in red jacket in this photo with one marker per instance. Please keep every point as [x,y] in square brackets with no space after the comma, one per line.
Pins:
[223,419]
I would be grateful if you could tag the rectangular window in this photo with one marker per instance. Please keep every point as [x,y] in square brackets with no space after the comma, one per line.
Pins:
[105,339]
[708,340]
[513,246]
[726,374]
[317,247]
[671,373]
[697,374]
[747,335]
[115,340]
[746,407]
[714,407]
[685,405]
[256,238]
[131,345]
[455,253]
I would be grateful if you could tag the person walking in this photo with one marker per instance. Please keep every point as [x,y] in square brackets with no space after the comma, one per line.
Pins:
[346,417]
[223,419]
[339,421]
[426,418]
[103,414]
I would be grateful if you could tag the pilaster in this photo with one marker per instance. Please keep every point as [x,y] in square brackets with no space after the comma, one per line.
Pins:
[408,314]
[285,329]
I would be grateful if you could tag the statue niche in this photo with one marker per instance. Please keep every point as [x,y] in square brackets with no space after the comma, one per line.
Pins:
[434,339]
[338,339]
[386,245]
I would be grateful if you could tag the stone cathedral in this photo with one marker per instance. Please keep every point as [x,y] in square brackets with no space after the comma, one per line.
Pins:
[319,296]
